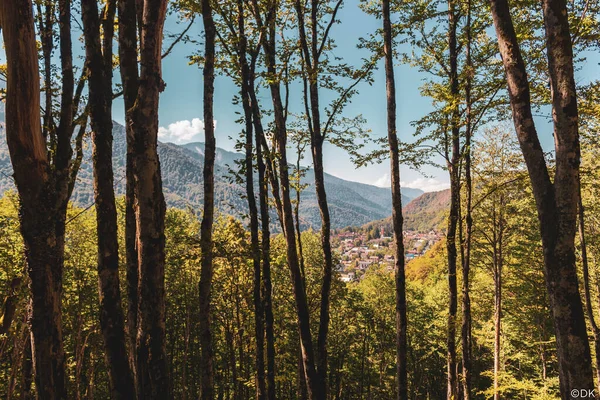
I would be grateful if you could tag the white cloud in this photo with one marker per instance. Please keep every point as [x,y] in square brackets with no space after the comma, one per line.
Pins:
[427,184]
[184,131]
[383,181]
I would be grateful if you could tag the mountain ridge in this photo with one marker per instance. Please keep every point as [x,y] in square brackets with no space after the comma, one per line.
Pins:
[350,203]
[422,214]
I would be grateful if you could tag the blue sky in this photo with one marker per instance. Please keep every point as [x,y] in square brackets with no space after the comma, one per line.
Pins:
[181,103]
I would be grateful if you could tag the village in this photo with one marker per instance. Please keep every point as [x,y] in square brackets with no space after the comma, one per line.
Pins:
[358,251]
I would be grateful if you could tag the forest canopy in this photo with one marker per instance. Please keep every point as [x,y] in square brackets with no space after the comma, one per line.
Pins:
[489,289]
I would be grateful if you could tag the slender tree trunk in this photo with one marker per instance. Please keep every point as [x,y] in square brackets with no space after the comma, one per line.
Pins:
[497,330]
[206,243]
[586,285]
[453,167]
[401,320]
[128,56]
[255,245]
[317,136]
[556,201]
[265,241]
[498,261]
[99,65]
[26,370]
[300,150]
[300,377]
[150,359]
[466,245]
[268,44]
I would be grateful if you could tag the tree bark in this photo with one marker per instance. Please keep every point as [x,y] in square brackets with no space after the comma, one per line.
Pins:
[41,190]
[453,167]
[253,210]
[498,261]
[128,56]
[99,65]
[556,202]
[308,355]
[151,363]
[263,194]
[317,138]
[206,243]
[466,245]
[400,279]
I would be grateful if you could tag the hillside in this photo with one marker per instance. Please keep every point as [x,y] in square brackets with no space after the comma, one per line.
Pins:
[422,214]
[350,203]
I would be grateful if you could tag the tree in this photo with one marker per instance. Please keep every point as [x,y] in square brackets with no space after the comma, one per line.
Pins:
[401,319]
[268,42]
[556,201]
[206,245]
[99,66]
[497,171]
[142,120]
[44,172]
[128,65]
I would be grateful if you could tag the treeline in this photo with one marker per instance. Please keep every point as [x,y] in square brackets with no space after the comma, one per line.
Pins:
[513,339]
[232,327]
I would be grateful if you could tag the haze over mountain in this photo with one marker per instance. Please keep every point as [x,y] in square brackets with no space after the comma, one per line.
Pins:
[350,203]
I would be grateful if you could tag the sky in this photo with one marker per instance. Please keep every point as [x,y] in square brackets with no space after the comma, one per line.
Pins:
[180,110]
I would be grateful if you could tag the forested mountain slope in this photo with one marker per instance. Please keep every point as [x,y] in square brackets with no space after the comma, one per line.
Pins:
[424,213]
[351,203]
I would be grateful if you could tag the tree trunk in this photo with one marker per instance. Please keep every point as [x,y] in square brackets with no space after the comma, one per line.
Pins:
[265,241]
[497,329]
[41,217]
[586,285]
[317,139]
[268,44]
[453,167]
[498,260]
[206,243]
[151,363]
[129,77]
[401,320]
[253,211]
[556,202]
[466,245]
[99,65]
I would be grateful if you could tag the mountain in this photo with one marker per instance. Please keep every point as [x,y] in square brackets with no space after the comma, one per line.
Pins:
[350,203]
[425,213]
